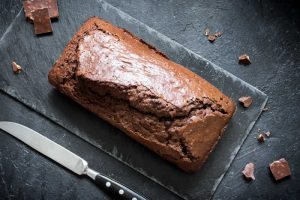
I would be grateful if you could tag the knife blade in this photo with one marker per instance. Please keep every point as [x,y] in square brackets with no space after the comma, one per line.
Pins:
[67,159]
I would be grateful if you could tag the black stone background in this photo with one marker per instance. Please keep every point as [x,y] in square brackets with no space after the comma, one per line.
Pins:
[267,30]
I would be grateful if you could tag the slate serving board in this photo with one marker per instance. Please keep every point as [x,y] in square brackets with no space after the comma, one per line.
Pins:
[31,87]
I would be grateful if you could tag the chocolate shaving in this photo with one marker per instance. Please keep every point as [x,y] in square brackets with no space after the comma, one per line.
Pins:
[16,68]
[280,169]
[249,171]
[246,101]
[41,21]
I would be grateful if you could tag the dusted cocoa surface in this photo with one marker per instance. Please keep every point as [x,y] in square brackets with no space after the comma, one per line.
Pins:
[137,89]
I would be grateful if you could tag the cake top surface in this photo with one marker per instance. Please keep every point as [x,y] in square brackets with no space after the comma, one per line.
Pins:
[104,58]
[112,55]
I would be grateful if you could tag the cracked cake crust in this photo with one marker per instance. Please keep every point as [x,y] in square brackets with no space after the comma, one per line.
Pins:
[130,84]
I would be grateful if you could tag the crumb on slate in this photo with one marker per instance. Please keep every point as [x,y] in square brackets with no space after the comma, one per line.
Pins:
[249,171]
[244,59]
[16,68]
[218,34]
[246,101]
[268,133]
[211,38]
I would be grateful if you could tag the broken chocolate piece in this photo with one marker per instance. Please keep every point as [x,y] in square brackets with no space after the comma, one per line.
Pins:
[16,68]
[245,101]
[206,32]
[212,38]
[244,59]
[218,34]
[261,138]
[41,21]
[268,133]
[280,169]
[32,5]
[249,171]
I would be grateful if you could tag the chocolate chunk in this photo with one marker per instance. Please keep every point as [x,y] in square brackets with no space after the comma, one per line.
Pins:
[280,169]
[206,32]
[249,171]
[261,138]
[244,59]
[32,5]
[16,68]
[245,101]
[41,21]
[212,38]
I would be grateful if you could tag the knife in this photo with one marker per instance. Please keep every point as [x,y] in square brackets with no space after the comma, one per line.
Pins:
[67,159]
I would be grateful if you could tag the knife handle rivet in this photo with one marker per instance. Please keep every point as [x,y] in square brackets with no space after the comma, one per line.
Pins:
[107,184]
[121,192]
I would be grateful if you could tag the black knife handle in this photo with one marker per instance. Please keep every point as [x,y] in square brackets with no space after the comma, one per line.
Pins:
[117,189]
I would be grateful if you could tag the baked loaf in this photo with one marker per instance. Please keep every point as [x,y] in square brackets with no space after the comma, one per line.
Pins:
[133,86]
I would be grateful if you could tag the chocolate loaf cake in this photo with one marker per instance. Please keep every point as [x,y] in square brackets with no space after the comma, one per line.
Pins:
[133,86]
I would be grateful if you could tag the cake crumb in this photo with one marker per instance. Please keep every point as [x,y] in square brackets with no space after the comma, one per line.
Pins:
[211,38]
[244,59]
[268,133]
[246,101]
[218,34]
[16,68]
[249,171]
[280,169]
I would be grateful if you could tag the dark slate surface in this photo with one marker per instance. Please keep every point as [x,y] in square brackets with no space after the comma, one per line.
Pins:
[33,89]
[269,32]
[8,11]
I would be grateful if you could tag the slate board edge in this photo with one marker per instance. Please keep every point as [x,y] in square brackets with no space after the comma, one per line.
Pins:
[11,92]
[236,151]
[8,29]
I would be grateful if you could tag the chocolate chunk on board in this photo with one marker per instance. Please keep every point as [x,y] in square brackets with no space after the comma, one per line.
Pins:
[280,169]
[249,171]
[41,21]
[245,101]
[32,5]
